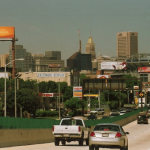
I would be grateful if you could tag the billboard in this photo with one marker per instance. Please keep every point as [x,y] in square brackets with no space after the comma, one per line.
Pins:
[7,33]
[54,65]
[46,94]
[102,76]
[113,65]
[77,91]
[143,69]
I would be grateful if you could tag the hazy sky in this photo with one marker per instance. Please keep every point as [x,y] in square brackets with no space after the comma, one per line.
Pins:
[52,25]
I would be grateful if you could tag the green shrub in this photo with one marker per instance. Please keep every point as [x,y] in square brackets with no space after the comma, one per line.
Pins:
[46,113]
[71,114]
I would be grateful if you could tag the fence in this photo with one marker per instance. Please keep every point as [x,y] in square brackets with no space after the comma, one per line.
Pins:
[26,123]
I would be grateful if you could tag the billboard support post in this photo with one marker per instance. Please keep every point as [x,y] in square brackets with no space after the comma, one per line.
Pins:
[13,58]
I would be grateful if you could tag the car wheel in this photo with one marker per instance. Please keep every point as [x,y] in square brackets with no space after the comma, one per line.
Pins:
[63,142]
[81,142]
[87,141]
[124,148]
[91,147]
[96,148]
[56,142]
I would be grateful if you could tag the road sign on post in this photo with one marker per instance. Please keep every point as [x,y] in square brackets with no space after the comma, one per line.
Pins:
[141,94]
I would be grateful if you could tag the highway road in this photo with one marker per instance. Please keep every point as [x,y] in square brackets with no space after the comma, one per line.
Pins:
[139,139]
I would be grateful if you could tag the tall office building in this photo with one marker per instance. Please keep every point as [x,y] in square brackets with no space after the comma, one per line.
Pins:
[24,65]
[90,48]
[127,44]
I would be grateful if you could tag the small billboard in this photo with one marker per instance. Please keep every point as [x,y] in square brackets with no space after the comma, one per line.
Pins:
[77,91]
[7,33]
[54,65]
[102,76]
[46,94]
[113,65]
[143,69]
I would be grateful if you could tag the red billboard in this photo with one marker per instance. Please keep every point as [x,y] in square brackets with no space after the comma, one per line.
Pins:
[143,69]
[7,32]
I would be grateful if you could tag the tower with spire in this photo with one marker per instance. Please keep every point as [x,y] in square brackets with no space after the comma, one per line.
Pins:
[90,48]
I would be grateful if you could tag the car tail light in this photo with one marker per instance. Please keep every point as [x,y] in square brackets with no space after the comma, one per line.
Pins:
[53,128]
[79,129]
[92,134]
[118,135]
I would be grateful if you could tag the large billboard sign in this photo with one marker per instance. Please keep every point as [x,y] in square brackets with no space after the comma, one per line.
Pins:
[77,91]
[7,33]
[113,65]
[143,69]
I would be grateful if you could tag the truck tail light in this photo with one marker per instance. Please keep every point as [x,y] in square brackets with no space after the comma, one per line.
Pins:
[92,134]
[53,128]
[79,129]
[118,135]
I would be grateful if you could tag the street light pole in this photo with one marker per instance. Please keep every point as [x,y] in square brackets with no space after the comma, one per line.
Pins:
[128,98]
[99,98]
[5,91]
[5,80]
[59,99]
[15,100]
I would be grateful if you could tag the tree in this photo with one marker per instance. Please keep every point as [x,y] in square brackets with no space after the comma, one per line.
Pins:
[131,83]
[51,87]
[82,76]
[68,93]
[26,99]
[73,104]
[2,82]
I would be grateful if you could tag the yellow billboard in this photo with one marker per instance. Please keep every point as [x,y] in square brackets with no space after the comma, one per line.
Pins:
[7,32]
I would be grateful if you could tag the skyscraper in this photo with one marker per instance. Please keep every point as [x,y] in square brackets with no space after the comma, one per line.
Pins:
[90,48]
[127,44]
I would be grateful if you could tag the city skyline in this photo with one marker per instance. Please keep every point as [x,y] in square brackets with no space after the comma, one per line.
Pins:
[53,25]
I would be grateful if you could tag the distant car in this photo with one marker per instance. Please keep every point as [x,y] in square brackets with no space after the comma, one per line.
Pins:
[129,110]
[148,104]
[105,117]
[148,113]
[108,135]
[142,118]
[114,112]
[99,111]
[122,112]
[91,117]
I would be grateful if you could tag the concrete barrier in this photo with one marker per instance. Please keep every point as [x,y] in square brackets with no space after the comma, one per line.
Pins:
[17,137]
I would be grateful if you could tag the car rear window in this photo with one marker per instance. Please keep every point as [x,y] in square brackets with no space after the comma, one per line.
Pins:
[142,117]
[72,122]
[106,128]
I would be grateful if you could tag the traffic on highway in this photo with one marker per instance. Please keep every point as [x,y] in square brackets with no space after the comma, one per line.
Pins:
[138,139]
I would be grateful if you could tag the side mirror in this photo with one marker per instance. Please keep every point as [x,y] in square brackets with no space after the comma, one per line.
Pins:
[127,132]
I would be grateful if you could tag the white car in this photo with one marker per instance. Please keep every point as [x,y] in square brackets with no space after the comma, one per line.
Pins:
[108,135]
[122,112]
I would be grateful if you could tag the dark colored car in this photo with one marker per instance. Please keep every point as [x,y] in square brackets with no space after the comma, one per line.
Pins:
[148,113]
[142,118]
[91,117]
[105,117]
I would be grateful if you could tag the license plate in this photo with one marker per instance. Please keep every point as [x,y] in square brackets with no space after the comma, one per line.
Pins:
[105,135]
[66,135]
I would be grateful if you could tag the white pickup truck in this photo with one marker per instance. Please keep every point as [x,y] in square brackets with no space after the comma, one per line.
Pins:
[71,129]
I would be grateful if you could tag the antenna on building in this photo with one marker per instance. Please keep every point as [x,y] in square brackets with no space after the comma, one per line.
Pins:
[79,41]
